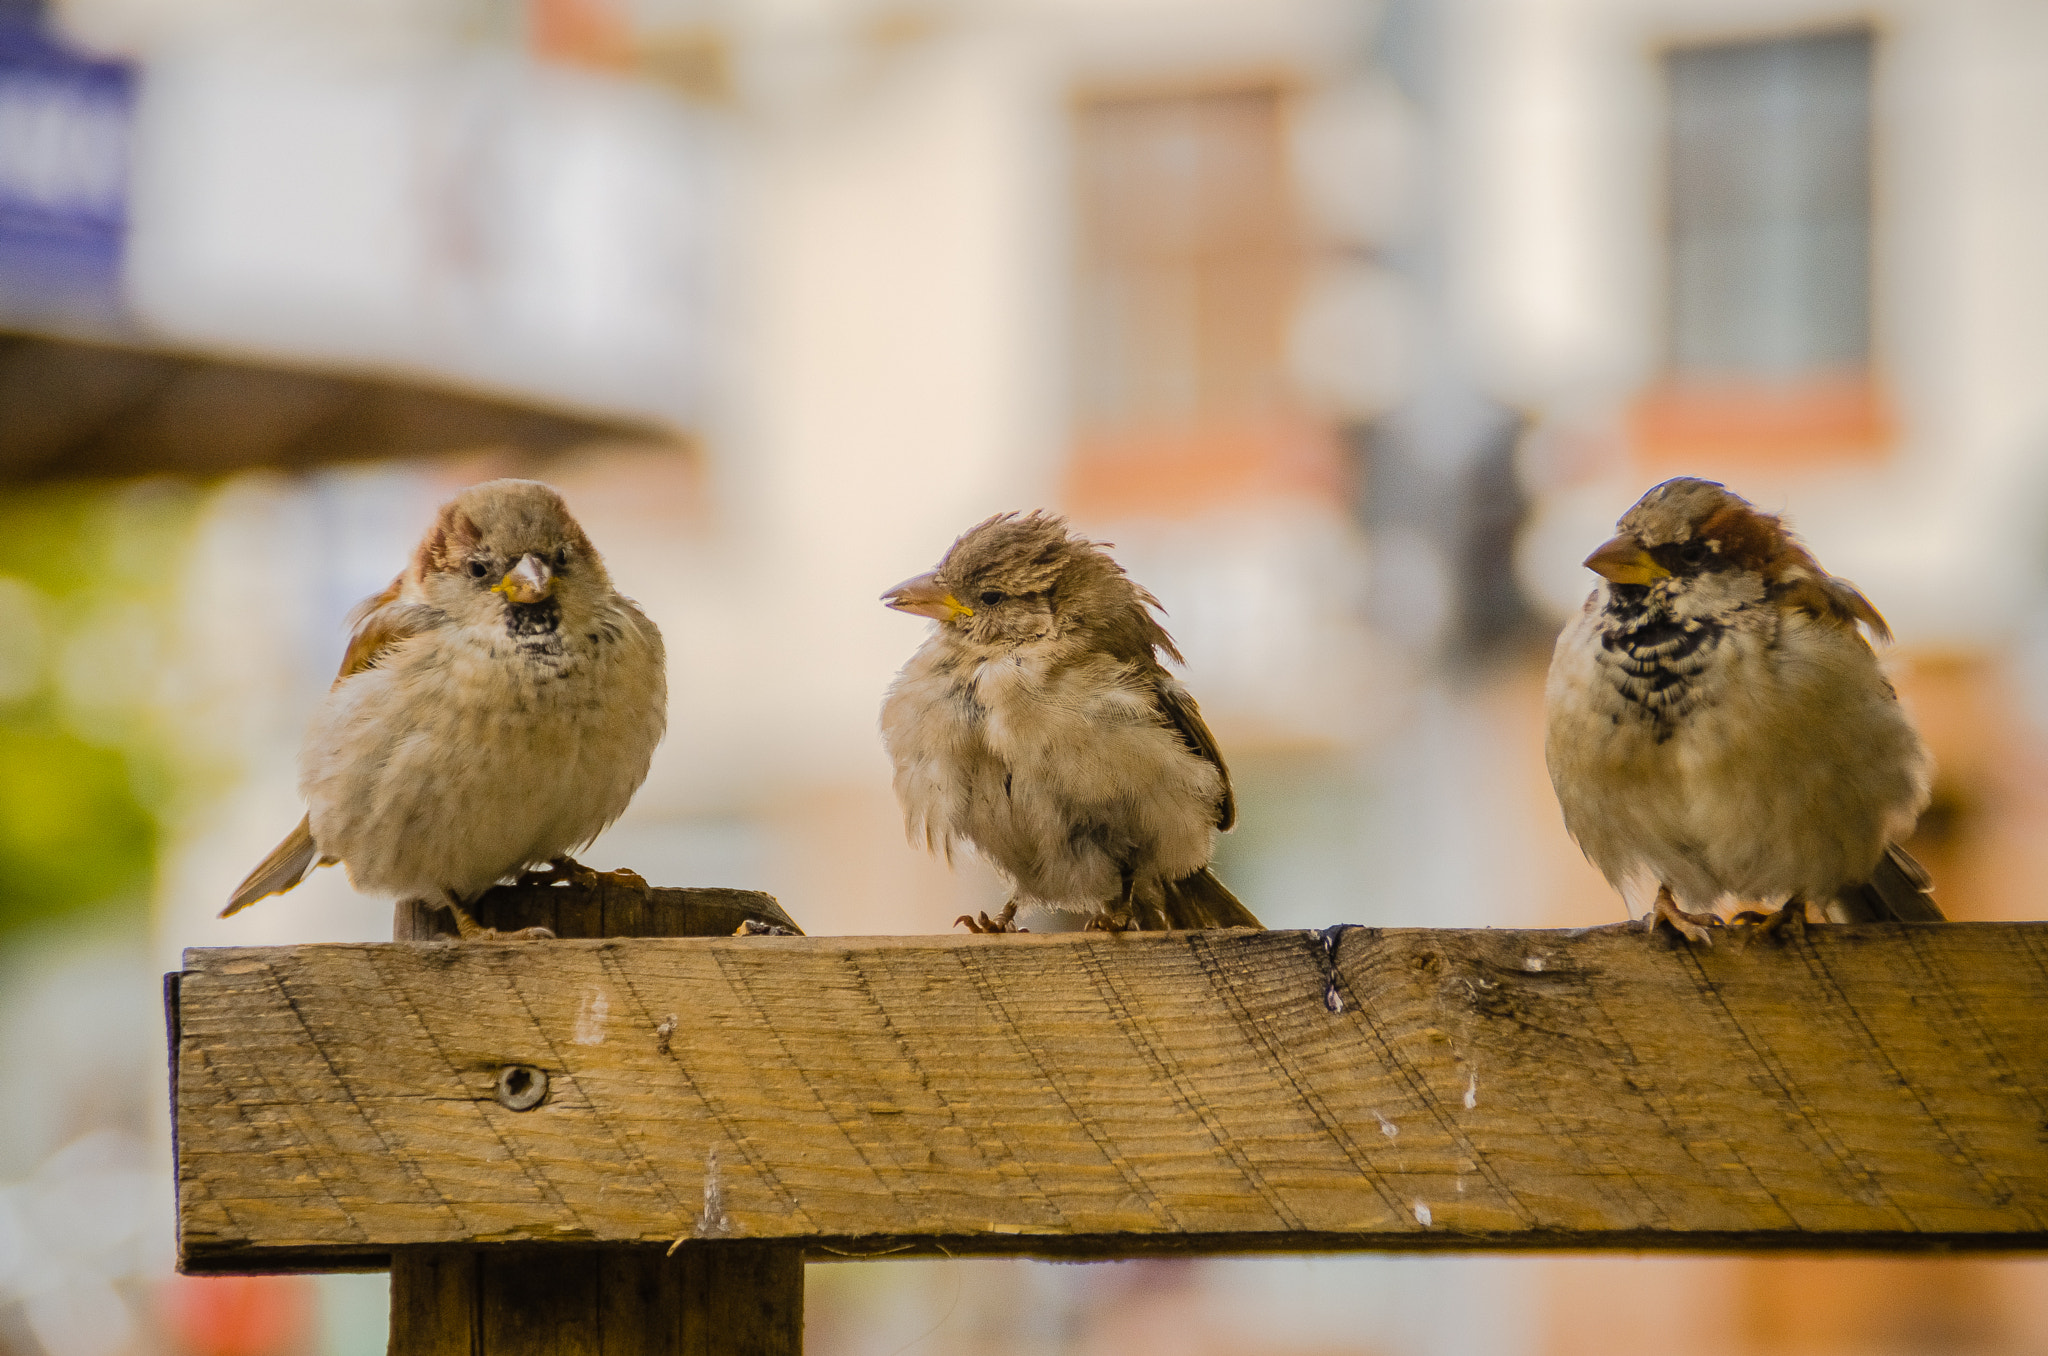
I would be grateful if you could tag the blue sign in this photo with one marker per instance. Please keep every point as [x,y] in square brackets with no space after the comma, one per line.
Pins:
[65,125]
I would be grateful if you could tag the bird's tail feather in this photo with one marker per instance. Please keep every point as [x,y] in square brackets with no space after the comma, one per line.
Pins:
[285,867]
[1197,901]
[1899,888]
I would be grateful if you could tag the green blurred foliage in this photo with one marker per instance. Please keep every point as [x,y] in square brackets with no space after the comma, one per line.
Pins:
[87,592]
[72,832]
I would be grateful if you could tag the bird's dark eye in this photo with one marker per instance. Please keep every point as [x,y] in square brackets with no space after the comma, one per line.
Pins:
[1693,552]
[477,569]
[561,559]
[990,597]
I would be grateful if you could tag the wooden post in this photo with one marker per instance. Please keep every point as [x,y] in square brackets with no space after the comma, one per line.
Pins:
[707,1299]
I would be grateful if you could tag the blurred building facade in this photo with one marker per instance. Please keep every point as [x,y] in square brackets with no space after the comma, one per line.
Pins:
[1353,324]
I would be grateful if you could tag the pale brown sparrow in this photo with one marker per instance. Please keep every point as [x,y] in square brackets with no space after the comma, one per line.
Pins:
[497,707]
[1717,725]
[1037,724]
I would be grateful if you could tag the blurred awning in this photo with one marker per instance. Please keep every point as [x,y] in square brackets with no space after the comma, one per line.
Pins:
[75,409]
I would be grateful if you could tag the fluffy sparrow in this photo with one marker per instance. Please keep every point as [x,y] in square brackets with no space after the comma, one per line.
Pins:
[1036,724]
[1716,723]
[497,707]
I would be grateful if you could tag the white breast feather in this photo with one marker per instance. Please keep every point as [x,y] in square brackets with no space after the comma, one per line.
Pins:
[452,765]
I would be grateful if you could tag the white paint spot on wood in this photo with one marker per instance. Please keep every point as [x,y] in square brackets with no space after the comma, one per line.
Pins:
[1472,1090]
[1422,1215]
[590,1017]
[1387,1127]
[712,1221]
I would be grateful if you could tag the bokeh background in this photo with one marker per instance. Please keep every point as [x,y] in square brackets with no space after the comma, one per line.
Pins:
[1354,323]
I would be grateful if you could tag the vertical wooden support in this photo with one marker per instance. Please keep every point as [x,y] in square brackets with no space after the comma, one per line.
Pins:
[708,1299]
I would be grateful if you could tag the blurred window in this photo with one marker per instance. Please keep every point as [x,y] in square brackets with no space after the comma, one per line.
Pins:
[1768,195]
[1770,205]
[1190,255]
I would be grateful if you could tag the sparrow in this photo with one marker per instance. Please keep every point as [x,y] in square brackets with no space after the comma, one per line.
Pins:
[1716,722]
[497,707]
[1037,725]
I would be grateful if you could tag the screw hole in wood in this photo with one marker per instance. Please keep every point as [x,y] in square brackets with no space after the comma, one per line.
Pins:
[521,1087]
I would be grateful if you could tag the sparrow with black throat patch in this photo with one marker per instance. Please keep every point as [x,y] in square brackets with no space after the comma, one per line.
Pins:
[1716,724]
[1037,724]
[496,709]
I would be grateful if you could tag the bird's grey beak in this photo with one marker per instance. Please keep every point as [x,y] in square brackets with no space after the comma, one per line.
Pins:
[1623,561]
[530,581]
[924,597]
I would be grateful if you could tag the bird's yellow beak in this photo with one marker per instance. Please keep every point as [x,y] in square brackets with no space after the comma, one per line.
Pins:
[530,581]
[923,597]
[1622,561]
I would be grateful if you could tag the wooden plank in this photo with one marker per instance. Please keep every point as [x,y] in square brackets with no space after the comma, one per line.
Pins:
[1879,1086]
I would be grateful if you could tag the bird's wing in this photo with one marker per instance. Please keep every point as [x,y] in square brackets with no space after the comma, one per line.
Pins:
[380,622]
[1186,718]
[1806,586]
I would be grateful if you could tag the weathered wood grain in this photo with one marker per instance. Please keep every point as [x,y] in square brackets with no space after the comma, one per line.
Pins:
[1874,1086]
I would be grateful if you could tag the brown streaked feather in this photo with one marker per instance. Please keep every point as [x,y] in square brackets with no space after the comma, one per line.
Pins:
[285,867]
[1762,542]
[448,542]
[1820,595]
[380,622]
[1186,718]
[1132,632]
[1744,533]
[1739,531]
[1026,553]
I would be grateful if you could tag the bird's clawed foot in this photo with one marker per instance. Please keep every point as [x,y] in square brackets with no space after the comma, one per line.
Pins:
[569,870]
[1693,927]
[1005,921]
[472,931]
[1779,925]
[984,923]
[1119,915]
